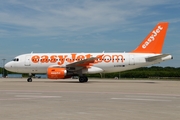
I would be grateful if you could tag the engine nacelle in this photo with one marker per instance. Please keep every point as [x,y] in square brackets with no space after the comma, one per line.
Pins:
[56,73]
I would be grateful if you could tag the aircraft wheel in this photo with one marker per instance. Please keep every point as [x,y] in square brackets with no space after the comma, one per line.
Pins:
[86,79]
[83,79]
[29,80]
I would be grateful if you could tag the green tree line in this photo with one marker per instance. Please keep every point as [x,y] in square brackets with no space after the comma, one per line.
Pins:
[144,72]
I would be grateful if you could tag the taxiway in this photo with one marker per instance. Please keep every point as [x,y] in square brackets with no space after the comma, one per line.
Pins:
[97,99]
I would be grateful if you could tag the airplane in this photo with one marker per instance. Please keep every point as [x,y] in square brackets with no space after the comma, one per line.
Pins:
[66,65]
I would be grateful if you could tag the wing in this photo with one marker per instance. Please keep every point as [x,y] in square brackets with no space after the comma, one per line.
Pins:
[84,63]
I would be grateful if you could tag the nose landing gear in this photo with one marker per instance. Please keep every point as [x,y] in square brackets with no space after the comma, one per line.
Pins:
[30,77]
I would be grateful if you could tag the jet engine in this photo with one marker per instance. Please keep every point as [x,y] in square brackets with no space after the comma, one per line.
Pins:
[56,73]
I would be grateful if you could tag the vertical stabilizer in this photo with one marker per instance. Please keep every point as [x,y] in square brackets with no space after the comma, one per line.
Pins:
[153,43]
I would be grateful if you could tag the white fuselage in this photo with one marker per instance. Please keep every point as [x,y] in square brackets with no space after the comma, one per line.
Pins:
[107,62]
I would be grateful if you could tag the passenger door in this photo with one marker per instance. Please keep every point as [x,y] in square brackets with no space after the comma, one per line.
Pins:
[27,60]
[131,60]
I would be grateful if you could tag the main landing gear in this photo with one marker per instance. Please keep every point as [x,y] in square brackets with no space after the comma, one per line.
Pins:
[83,79]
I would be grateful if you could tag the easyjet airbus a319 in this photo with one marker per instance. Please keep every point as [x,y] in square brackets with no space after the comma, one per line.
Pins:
[65,65]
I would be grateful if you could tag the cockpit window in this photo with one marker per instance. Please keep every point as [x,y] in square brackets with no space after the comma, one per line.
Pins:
[16,59]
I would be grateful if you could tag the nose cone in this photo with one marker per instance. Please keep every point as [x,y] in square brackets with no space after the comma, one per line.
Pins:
[8,66]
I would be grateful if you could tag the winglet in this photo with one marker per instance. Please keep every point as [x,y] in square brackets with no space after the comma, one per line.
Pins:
[153,43]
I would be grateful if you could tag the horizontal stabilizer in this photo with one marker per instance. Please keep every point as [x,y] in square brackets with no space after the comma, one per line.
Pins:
[159,57]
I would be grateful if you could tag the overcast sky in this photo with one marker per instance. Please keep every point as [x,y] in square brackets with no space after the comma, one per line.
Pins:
[85,26]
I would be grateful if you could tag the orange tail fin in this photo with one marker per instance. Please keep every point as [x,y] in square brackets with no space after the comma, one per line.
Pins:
[153,43]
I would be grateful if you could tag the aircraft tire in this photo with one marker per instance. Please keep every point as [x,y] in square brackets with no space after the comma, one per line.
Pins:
[29,80]
[86,79]
[83,79]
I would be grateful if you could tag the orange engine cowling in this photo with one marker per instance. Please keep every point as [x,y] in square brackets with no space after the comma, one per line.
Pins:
[56,73]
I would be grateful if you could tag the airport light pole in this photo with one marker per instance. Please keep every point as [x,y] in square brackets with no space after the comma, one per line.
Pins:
[3,67]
